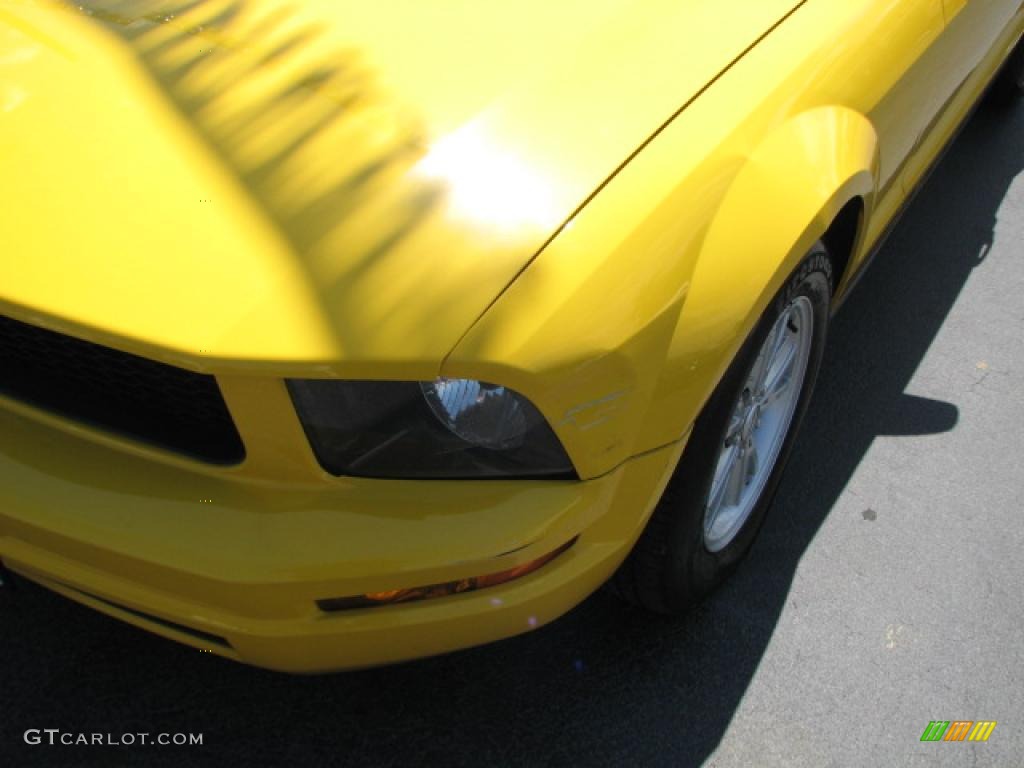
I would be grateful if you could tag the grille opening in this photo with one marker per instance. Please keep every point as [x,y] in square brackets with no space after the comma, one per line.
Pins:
[117,392]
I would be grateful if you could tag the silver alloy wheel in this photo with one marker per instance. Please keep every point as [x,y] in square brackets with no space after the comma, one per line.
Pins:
[759,424]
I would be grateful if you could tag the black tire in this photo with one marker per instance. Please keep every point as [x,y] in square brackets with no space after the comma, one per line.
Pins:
[1008,86]
[670,568]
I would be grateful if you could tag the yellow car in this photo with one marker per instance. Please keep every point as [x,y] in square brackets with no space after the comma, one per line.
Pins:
[337,333]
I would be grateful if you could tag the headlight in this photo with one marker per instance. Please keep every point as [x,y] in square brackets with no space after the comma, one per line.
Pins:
[447,428]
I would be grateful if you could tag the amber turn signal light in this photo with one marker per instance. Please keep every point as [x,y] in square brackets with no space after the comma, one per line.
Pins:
[444,589]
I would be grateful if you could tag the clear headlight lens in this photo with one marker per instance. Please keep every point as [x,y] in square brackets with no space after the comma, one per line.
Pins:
[447,428]
[482,414]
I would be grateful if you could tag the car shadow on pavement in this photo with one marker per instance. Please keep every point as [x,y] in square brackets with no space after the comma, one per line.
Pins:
[606,684]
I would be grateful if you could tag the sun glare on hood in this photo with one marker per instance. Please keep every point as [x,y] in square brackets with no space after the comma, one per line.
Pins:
[487,183]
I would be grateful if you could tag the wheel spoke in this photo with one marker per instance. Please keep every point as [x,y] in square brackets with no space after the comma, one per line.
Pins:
[735,426]
[735,480]
[720,487]
[750,464]
[776,339]
[760,368]
[780,372]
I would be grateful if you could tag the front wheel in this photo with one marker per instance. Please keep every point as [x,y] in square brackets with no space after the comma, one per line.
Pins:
[716,501]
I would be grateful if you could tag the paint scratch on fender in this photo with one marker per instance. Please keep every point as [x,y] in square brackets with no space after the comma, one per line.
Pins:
[584,417]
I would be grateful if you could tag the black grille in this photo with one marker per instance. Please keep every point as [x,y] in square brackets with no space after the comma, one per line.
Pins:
[154,403]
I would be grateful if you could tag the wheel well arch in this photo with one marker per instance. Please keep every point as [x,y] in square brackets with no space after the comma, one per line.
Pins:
[841,238]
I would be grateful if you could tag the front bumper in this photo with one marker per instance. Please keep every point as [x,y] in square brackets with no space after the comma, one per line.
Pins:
[236,567]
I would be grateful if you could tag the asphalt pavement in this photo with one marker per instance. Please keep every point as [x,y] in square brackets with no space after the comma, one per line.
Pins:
[885,591]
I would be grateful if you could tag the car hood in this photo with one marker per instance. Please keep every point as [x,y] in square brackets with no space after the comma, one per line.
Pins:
[230,182]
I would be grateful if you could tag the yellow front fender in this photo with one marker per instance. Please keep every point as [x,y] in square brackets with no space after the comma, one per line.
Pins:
[782,201]
[622,327]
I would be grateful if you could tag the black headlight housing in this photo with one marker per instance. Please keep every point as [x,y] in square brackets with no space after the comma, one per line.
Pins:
[442,429]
